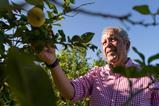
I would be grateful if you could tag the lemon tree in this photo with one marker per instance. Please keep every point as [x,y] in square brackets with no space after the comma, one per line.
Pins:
[22,82]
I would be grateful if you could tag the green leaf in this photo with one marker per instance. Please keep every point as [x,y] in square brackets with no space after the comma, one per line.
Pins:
[120,70]
[2,74]
[139,62]
[63,36]
[72,1]
[36,2]
[151,70]
[69,39]
[140,54]
[2,50]
[29,83]
[67,2]
[87,37]
[142,9]
[76,39]
[92,46]
[157,11]
[152,58]
[4,4]
[52,6]
[130,72]
[50,14]
[80,45]
[3,25]
[133,72]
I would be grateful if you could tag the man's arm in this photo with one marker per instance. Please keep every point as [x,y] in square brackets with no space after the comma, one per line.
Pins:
[61,81]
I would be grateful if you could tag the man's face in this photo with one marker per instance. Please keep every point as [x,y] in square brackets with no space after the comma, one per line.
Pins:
[114,47]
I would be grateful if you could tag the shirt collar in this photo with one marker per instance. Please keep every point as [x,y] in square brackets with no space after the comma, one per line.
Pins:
[129,63]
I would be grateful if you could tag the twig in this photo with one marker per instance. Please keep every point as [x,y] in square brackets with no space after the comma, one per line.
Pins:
[122,18]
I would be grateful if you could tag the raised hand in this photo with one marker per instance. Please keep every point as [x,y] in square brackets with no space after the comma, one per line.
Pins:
[47,55]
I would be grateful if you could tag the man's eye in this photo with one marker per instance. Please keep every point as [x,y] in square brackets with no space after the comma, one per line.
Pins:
[104,43]
[113,39]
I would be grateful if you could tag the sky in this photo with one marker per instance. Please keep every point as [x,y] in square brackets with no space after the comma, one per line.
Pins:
[145,39]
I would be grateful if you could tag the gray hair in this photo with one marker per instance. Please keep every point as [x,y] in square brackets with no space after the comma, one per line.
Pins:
[122,33]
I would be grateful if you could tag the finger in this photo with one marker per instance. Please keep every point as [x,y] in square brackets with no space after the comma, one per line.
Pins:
[45,48]
[41,55]
[51,49]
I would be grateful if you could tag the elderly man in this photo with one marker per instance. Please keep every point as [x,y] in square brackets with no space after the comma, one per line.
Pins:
[100,84]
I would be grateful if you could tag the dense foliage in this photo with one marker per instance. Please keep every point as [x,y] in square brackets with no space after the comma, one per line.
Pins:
[23,78]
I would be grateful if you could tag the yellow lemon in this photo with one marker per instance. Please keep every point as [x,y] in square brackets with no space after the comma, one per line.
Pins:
[36,17]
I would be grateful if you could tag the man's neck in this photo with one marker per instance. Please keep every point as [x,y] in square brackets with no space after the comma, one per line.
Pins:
[121,65]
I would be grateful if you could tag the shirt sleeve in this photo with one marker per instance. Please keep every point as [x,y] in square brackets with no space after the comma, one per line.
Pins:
[83,85]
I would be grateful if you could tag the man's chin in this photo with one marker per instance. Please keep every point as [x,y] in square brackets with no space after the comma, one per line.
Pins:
[113,61]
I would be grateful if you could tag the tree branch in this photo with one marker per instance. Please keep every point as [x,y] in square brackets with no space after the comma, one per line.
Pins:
[122,18]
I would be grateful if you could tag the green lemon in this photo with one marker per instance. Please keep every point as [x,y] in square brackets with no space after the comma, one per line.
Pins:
[36,17]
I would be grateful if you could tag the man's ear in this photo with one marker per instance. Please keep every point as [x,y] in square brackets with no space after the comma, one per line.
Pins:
[128,45]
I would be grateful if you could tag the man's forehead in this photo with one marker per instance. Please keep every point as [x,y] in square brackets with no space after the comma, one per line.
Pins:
[111,33]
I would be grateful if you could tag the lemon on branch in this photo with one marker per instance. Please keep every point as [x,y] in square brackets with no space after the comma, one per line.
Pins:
[36,17]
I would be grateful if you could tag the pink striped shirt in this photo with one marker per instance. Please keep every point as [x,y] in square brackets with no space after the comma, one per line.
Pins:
[108,89]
